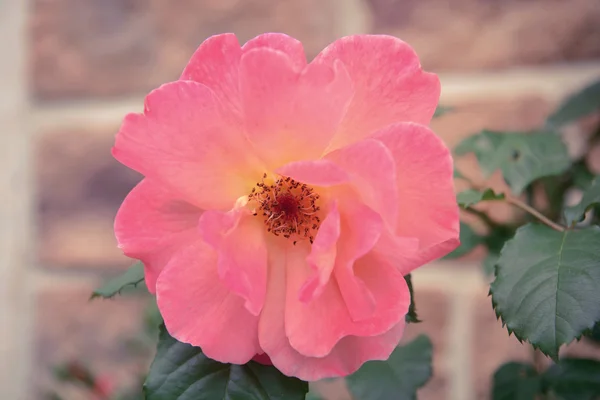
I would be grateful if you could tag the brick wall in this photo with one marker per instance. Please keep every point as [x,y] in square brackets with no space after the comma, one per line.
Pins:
[75,67]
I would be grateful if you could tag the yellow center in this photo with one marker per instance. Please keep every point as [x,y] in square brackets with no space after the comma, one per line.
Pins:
[289,208]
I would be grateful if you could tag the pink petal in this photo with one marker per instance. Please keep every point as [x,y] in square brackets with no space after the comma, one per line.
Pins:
[186,141]
[318,172]
[278,41]
[216,64]
[361,230]
[314,328]
[373,174]
[153,224]
[389,83]
[198,309]
[242,261]
[427,204]
[214,226]
[291,113]
[322,256]
[345,358]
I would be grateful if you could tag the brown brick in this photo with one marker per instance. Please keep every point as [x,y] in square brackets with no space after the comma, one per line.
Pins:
[80,189]
[505,113]
[84,48]
[492,346]
[476,34]
[103,48]
[502,112]
[71,328]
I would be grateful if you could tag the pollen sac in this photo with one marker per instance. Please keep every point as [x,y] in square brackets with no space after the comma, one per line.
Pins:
[289,208]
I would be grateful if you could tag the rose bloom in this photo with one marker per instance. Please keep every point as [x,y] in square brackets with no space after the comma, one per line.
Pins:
[284,201]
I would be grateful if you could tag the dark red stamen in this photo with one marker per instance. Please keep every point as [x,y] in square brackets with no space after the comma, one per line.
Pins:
[289,208]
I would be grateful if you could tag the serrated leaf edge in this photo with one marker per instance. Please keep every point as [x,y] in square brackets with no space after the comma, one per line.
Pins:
[521,339]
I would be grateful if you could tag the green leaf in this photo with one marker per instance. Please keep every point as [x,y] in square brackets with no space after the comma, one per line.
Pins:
[582,177]
[577,106]
[547,286]
[574,379]
[131,278]
[470,197]
[590,199]
[522,157]
[469,239]
[411,316]
[398,378]
[182,372]
[441,110]
[516,381]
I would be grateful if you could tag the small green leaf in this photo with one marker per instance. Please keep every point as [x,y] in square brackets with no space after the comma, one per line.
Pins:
[574,379]
[516,381]
[470,197]
[469,239]
[547,286]
[577,106]
[522,157]
[441,110]
[131,278]
[182,372]
[590,199]
[407,369]
[411,316]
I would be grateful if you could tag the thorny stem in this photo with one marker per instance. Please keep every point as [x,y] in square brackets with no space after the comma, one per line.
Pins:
[518,203]
[527,208]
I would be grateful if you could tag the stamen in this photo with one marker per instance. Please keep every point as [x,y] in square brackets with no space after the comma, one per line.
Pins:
[286,205]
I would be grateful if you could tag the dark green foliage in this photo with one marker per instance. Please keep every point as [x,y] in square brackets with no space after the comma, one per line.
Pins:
[546,286]
[398,378]
[182,372]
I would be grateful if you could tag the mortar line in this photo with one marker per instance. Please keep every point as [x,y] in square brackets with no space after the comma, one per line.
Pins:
[552,82]
[16,236]
[460,339]
[46,279]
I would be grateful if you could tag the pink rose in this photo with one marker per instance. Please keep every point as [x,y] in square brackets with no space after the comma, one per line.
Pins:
[283,202]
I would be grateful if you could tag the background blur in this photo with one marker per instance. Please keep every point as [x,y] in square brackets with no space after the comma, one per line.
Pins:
[71,69]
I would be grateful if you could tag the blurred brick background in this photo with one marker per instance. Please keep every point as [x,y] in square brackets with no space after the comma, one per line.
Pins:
[80,65]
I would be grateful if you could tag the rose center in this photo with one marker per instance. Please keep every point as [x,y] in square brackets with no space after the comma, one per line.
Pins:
[289,208]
